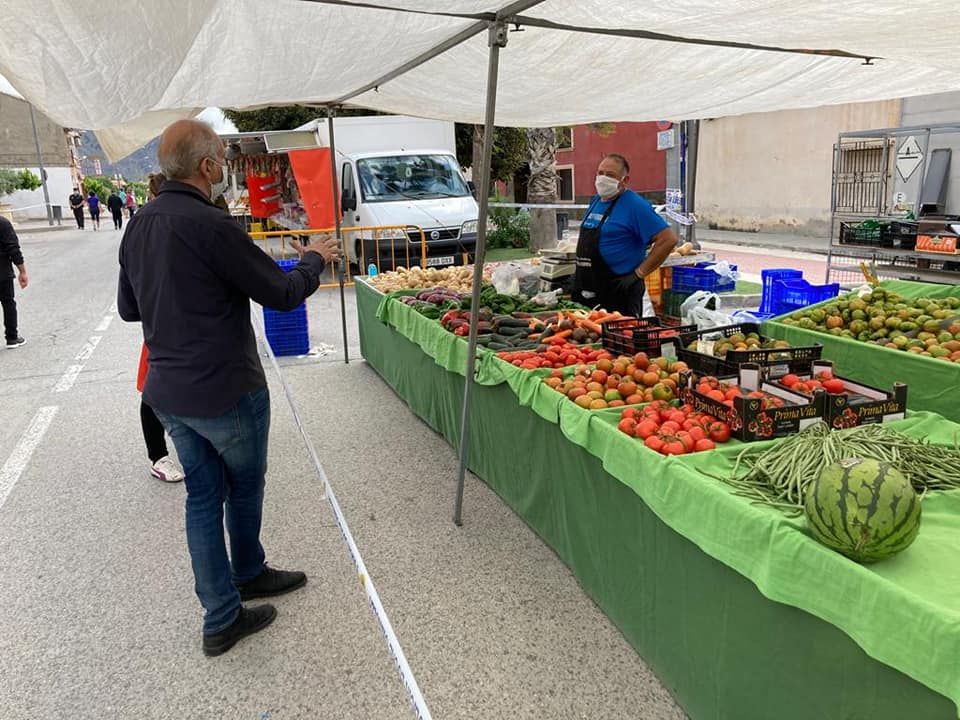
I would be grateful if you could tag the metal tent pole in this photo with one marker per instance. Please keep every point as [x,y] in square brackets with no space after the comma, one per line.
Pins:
[43,173]
[693,145]
[336,216]
[497,40]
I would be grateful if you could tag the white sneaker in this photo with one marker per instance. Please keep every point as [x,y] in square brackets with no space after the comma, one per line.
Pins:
[167,469]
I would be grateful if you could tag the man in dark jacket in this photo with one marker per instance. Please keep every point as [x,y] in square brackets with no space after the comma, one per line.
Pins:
[10,255]
[76,205]
[188,273]
[115,206]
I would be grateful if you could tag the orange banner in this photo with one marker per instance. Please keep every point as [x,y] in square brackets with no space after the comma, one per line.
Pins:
[311,168]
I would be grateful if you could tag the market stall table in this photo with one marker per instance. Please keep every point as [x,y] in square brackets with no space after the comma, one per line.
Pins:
[932,385]
[739,613]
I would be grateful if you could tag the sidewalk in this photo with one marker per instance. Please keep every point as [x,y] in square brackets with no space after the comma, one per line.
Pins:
[773,241]
[25,227]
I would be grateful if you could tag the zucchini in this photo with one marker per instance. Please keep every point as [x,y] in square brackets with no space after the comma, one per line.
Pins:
[512,322]
[508,330]
[499,346]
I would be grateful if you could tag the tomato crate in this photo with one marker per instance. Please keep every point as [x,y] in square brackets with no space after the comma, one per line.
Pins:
[857,404]
[629,336]
[762,410]
[775,362]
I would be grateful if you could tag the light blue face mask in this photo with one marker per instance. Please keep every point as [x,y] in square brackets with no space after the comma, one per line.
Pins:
[218,188]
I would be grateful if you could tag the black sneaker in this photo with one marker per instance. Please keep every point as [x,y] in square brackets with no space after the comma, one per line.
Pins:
[272,582]
[15,343]
[248,622]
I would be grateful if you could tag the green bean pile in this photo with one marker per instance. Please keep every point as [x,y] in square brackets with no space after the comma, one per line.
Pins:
[779,476]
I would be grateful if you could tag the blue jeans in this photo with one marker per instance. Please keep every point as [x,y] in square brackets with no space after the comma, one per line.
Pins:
[224,460]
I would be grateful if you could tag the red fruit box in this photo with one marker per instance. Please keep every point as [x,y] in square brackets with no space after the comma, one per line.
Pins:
[762,410]
[857,404]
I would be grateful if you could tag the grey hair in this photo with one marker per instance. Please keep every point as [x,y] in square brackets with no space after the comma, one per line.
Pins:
[180,159]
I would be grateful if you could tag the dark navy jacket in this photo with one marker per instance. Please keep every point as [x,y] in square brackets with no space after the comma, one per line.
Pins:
[188,273]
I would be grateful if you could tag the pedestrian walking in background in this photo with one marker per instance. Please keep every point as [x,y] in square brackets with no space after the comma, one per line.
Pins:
[162,466]
[76,204]
[115,206]
[188,272]
[130,203]
[93,202]
[10,256]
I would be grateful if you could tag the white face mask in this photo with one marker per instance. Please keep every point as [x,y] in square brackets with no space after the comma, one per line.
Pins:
[606,186]
[218,188]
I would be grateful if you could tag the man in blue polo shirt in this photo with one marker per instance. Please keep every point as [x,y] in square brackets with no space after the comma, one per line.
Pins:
[622,240]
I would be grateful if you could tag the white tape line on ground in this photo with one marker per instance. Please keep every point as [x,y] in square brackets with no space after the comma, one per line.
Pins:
[87,350]
[386,627]
[15,464]
[104,324]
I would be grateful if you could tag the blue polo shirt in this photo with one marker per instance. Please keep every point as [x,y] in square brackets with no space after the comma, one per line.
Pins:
[627,232]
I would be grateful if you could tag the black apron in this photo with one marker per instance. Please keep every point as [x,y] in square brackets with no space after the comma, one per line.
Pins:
[592,274]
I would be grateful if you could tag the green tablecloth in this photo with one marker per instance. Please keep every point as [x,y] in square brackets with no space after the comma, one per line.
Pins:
[725,649]
[932,385]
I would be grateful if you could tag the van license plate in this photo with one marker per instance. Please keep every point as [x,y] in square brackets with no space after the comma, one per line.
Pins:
[444,260]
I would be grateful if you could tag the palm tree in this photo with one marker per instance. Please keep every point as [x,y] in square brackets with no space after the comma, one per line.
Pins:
[542,187]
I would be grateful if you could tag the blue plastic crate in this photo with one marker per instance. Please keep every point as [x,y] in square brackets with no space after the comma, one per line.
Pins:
[790,295]
[767,278]
[288,333]
[690,278]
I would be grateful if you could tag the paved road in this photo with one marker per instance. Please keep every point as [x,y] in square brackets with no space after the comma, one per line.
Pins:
[99,616]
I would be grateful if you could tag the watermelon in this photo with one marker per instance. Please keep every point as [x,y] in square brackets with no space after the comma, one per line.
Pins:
[863,508]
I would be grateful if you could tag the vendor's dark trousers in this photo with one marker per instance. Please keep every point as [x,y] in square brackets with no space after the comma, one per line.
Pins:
[9,308]
[117,219]
[78,214]
[153,433]
[224,459]
[625,293]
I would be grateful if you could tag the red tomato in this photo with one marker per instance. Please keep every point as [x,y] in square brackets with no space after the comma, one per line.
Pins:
[627,425]
[790,380]
[677,416]
[687,440]
[669,428]
[716,395]
[697,433]
[654,443]
[646,428]
[674,447]
[719,432]
[731,393]
[630,413]
[704,444]
[834,386]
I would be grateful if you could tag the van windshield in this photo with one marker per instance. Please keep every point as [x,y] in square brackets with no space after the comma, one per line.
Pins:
[410,177]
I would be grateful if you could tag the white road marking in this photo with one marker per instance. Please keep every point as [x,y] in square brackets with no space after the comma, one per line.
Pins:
[104,324]
[88,348]
[68,378]
[15,464]
[70,375]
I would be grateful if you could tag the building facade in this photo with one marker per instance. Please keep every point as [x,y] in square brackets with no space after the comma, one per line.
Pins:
[19,151]
[582,147]
[772,172]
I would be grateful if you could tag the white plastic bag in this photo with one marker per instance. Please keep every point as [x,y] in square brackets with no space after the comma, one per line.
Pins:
[547,299]
[694,311]
[724,270]
[516,278]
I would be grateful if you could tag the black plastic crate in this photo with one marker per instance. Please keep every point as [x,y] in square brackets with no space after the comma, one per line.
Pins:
[859,234]
[901,234]
[776,362]
[629,336]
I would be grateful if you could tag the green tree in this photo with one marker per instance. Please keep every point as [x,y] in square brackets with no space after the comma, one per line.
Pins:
[284,117]
[13,180]
[101,185]
[509,149]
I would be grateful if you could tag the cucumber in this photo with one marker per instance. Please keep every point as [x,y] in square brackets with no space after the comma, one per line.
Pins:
[499,346]
[512,322]
[508,330]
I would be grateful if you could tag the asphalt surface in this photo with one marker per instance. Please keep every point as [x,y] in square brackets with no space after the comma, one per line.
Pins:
[100,620]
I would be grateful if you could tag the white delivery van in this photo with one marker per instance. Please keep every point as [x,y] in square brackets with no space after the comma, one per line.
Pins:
[393,170]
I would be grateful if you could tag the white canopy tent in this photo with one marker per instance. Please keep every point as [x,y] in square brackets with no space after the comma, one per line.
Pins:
[572,61]
[127,77]
[569,61]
